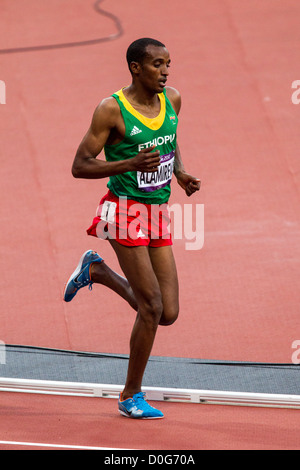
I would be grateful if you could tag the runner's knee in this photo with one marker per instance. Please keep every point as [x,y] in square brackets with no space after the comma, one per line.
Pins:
[151,309]
[169,316]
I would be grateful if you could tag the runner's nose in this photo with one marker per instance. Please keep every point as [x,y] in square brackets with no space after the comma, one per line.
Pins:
[165,71]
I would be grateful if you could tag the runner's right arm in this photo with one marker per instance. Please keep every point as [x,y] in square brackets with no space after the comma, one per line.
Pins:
[87,165]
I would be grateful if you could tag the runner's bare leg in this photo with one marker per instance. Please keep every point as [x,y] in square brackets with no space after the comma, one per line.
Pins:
[164,266]
[101,273]
[152,287]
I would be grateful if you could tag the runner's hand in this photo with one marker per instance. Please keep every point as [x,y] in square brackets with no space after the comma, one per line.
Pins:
[188,182]
[146,160]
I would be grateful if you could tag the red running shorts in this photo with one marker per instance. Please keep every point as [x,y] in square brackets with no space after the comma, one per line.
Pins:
[131,223]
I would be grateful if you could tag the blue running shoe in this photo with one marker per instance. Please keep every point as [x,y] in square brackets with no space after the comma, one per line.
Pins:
[81,276]
[137,407]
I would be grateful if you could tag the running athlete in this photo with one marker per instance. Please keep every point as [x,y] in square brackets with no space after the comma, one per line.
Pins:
[136,128]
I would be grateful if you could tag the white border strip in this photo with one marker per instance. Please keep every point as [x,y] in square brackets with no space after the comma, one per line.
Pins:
[153,393]
[56,446]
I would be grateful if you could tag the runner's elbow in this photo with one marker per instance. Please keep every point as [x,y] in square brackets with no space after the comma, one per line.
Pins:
[78,169]
[76,172]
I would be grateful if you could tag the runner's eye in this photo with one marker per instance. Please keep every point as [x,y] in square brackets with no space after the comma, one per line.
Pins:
[159,64]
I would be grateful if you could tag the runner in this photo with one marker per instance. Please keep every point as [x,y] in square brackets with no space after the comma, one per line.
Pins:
[136,128]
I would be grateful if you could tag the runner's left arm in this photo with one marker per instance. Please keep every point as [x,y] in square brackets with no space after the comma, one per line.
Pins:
[188,182]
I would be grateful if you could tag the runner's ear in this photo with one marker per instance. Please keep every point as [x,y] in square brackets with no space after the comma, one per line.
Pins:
[135,68]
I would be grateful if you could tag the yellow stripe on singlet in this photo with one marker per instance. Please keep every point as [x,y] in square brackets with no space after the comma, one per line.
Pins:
[152,123]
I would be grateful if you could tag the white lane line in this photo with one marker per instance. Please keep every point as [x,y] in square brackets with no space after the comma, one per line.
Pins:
[60,446]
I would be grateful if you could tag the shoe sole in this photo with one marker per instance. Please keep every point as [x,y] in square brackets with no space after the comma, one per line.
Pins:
[75,273]
[146,417]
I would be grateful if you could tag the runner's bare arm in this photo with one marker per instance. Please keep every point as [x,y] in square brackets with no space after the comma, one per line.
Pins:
[188,182]
[87,165]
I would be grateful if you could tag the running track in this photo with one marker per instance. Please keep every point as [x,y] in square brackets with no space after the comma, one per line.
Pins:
[234,63]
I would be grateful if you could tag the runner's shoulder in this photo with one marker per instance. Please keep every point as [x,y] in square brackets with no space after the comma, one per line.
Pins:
[174,97]
[172,92]
[107,110]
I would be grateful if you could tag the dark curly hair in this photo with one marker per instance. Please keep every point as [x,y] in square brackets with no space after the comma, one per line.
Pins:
[136,52]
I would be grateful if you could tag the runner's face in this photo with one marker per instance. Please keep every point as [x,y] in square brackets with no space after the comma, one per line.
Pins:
[154,70]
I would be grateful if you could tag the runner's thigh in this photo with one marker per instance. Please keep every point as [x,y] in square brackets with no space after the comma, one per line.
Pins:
[137,267]
[164,266]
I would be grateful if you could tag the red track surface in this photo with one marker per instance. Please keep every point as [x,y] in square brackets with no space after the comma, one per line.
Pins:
[92,422]
[234,63]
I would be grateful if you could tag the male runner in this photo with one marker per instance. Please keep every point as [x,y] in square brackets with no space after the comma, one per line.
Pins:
[136,128]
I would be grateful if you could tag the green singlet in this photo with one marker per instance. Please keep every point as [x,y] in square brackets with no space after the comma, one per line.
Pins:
[142,132]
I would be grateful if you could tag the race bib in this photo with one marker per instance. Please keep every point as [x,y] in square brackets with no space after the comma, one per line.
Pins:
[158,179]
[108,212]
